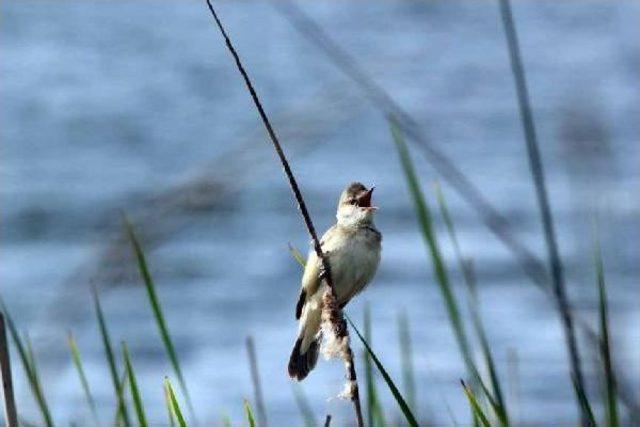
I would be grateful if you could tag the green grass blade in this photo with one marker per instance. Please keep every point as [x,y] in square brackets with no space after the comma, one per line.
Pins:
[77,362]
[605,348]
[167,402]
[375,415]
[394,390]
[500,407]
[175,407]
[424,218]
[255,379]
[467,271]
[249,413]
[121,391]
[406,355]
[26,358]
[303,405]
[122,410]
[157,312]
[475,406]
[36,379]
[297,255]
[133,385]
[440,272]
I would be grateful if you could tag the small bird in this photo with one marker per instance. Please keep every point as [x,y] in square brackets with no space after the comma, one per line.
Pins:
[352,247]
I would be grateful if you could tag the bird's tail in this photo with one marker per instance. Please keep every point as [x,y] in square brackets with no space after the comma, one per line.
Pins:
[305,351]
[302,362]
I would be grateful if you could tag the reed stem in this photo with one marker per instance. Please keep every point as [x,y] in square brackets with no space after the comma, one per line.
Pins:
[341,326]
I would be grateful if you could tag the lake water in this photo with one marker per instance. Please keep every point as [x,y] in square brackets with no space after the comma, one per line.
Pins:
[135,106]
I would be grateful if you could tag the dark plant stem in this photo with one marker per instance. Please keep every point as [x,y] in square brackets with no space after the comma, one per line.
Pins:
[257,384]
[327,421]
[10,413]
[537,172]
[341,327]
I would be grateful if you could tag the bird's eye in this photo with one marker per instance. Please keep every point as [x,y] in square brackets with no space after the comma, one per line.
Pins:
[353,201]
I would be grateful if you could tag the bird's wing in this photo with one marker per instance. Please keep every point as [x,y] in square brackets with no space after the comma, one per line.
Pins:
[311,276]
[310,281]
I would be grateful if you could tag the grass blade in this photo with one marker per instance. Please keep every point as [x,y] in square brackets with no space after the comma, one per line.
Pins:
[255,379]
[175,407]
[375,416]
[474,307]
[394,390]
[303,405]
[475,406]
[605,348]
[297,255]
[9,402]
[121,391]
[122,410]
[440,272]
[406,354]
[424,218]
[36,377]
[27,359]
[167,401]
[537,173]
[249,413]
[77,361]
[157,312]
[133,385]
[585,406]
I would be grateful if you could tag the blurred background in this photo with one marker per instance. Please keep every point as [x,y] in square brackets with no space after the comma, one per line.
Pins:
[136,106]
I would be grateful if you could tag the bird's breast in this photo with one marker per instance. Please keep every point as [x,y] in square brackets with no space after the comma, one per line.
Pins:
[355,264]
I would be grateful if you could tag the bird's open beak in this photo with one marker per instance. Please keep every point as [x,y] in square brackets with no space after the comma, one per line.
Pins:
[364,201]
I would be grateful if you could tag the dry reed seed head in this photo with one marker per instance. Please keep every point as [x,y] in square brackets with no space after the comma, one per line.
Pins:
[336,341]
[332,313]
[348,390]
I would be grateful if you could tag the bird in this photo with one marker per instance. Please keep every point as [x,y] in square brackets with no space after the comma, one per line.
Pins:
[352,247]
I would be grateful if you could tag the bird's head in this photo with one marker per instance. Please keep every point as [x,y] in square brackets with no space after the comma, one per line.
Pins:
[354,206]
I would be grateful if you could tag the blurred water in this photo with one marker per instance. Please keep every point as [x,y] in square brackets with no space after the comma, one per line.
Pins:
[135,105]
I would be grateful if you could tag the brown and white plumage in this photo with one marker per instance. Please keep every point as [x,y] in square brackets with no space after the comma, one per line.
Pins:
[352,247]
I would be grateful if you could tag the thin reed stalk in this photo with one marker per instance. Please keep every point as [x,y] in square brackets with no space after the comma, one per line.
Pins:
[340,325]
[257,384]
[537,173]
[9,403]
